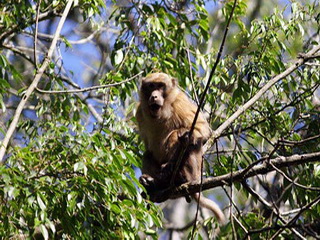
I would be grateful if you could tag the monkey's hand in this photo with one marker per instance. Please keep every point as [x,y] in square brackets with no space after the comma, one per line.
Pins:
[187,140]
[147,181]
[149,184]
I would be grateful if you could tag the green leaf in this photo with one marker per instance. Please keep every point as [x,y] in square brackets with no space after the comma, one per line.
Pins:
[41,203]
[44,231]
[118,57]
[3,61]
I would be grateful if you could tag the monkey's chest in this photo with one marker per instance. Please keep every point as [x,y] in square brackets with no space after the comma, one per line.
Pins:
[158,141]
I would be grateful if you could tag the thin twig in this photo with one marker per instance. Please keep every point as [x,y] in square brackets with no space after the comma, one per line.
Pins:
[295,218]
[201,103]
[198,205]
[191,78]
[313,64]
[298,143]
[241,225]
[203,97]
[231,186]
[34,84]
[304,94]
[270,207]
[89,88]
[200,106]
[294,182]
[49,37]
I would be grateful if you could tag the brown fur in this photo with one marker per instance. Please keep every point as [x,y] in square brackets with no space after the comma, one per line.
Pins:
[165,115]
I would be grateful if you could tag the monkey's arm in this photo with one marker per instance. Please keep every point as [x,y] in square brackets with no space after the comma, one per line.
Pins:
[185,111]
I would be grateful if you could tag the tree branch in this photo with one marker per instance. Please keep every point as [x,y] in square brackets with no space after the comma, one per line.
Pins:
[299,62]
[238,176]
[34,84]
[90,88]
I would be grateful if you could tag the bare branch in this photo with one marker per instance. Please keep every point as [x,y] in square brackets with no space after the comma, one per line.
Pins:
[240,224]
[34,83]
[191,77]
[294,182]
[298,143]
[19,51]
[272,208]
[313,64]
[49,37]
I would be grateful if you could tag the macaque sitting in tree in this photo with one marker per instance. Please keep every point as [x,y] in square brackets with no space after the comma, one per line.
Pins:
[165,115]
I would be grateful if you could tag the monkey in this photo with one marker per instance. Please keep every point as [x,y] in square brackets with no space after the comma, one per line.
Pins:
[165,115]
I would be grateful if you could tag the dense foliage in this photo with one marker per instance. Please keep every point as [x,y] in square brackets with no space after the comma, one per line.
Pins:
[70,169]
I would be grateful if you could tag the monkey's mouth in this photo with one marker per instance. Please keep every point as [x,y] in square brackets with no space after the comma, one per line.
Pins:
[154,107]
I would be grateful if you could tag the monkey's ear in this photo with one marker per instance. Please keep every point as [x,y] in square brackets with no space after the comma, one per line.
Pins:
[174,82]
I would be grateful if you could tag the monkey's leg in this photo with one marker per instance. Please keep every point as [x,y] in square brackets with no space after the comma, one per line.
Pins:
[151,177]
[149,170]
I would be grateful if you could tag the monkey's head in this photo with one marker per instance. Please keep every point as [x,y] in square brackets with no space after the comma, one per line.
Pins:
[158,91]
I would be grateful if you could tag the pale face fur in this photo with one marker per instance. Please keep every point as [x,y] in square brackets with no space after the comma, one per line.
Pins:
[157,92]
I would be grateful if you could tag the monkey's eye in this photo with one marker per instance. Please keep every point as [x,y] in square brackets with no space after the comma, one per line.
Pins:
[151,86]
[161,85]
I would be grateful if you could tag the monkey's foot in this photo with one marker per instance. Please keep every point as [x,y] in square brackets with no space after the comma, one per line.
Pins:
[149,184]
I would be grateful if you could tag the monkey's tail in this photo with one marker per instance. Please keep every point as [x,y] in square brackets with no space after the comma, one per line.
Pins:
[211,205]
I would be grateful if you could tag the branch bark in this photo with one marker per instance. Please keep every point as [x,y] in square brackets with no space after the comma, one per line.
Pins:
[238,176]
[34,84]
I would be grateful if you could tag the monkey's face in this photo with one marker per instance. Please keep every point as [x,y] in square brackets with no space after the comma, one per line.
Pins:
[157,92]
[154,94]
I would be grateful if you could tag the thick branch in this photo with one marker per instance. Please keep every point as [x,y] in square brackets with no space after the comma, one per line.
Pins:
[34,83]
[238,176]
